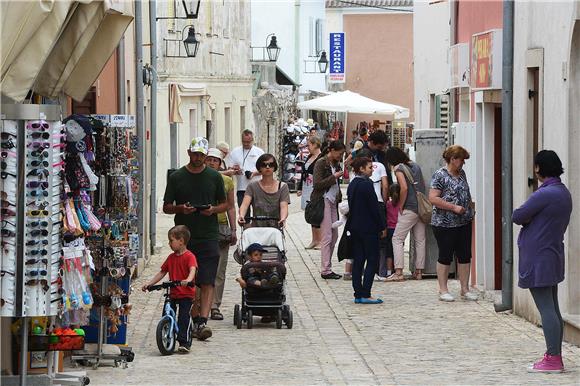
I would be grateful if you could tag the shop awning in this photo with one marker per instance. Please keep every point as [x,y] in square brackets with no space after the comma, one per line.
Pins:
[351,102]
[283,79]
[83,48]
[30,44]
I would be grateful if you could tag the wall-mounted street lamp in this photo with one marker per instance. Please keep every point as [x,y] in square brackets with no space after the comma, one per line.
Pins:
[270,52]
[180,47]
[272,48]
[191,43]
[321,61]
[191,8]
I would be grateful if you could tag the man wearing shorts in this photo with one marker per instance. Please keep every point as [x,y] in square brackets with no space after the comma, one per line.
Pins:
[196,194]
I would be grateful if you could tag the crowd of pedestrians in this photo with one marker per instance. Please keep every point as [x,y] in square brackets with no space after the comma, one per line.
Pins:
[383,205]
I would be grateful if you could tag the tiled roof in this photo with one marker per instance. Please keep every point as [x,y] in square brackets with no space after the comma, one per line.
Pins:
[368,3]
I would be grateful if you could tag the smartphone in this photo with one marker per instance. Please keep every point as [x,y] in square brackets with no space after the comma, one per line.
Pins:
[201,207]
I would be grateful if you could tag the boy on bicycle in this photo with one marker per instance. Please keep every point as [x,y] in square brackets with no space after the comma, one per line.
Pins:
[181,265]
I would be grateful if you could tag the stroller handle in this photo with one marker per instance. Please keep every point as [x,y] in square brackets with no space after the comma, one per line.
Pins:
[264,218]
[167,284]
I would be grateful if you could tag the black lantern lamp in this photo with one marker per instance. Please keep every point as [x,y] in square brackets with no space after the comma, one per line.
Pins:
[323,62]
[191,43]
[272,48]
[191,8]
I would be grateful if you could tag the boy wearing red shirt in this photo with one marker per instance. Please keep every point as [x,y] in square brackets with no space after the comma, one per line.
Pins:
[181,265]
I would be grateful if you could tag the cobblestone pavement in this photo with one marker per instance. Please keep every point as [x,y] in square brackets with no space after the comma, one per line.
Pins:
[411,339]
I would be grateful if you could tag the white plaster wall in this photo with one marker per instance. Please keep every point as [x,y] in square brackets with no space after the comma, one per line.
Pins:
[290,21]
[554,37]
[431,45]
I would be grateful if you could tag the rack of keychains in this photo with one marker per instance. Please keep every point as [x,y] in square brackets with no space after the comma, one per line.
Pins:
[70,237]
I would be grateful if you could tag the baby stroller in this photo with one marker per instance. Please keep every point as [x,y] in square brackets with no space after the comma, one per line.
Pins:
[263,301]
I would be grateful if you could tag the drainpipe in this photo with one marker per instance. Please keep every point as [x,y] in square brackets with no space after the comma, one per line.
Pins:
[153,110]
[121,94]
[297,32]
[506,158]
[140,118]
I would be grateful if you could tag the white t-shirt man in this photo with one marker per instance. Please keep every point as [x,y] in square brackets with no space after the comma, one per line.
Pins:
[379,172]
[246,160]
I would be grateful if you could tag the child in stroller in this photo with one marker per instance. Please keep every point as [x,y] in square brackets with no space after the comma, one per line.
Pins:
[258,274]
[262,255]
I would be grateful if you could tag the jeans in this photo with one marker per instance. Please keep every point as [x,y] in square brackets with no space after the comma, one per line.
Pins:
[546,299]
[365,249]
[183,319]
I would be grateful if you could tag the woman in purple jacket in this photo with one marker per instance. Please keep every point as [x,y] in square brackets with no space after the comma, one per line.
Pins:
[545,217]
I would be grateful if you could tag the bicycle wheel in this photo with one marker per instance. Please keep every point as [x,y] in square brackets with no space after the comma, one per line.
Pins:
[165,339]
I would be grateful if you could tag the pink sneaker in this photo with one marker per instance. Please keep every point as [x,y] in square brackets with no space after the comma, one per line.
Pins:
[550,364]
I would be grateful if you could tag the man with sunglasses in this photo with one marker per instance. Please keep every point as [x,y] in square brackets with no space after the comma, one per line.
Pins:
[195,194]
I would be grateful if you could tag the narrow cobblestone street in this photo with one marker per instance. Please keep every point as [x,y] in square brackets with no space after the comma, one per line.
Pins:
[411,339]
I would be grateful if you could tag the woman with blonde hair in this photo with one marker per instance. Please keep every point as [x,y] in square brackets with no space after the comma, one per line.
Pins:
[452,221]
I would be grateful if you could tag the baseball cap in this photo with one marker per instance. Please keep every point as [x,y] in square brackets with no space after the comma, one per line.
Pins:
[213,152]
[199,145]
[255,247]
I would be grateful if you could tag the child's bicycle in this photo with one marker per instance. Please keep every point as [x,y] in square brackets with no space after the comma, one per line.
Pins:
[167,327]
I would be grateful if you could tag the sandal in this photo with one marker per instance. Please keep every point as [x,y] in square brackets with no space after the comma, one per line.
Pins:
[395,277]
[417,276]
[216,314]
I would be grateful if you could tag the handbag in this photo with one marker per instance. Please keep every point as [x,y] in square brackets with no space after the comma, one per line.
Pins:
[314,211]
[225,234]
[425,208]
[344,250]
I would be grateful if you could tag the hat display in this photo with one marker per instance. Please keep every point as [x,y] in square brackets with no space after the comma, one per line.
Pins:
[199,145]
[310,122]
[214,152]
[255,247]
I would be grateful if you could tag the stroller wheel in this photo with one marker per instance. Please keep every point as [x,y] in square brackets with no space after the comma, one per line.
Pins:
[250,321]
[289,320]
[279,319]
[237,314]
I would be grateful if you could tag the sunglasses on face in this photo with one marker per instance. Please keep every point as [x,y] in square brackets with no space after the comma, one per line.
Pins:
[38,125]
[269,165]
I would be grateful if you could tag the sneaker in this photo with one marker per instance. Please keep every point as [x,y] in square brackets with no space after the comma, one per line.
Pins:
[446,297]
[183,349]
[347,276]
[470,296]
[549,364]
[332,276]
[202,332]
[380,278]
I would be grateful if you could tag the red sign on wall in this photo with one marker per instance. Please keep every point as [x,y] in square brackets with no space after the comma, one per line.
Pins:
[481,60]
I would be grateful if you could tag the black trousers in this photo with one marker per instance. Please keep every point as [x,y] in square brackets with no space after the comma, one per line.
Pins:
[546,299]
[365,249]
[183,319]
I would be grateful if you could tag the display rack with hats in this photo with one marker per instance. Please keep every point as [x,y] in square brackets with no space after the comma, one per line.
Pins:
[294,151]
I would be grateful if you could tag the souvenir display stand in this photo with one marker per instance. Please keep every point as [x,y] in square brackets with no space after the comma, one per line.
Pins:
[69,236]
[294,153]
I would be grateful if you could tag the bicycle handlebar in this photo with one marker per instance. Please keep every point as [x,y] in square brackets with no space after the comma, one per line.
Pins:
[167,284]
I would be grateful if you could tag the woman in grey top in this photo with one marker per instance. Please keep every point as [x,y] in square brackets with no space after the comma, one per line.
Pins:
[451,221]
[409,213]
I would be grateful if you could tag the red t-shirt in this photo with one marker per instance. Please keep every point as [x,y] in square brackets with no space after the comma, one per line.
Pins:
[178,267]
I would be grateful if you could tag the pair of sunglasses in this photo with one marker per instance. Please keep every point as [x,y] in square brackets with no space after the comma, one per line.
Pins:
[5,154]
[5,301]
[37,272]
[3,272]
[43,282]
[38,232]
[34,252]
[38,125]
[38,134]
[37,184]
[5,135]
[31,243]
[36,224]
[7,212]
[36,163]
[38,193]
[39,145]
[36,261]
[7,144]
[5,175]
[39,153]
[38,213]
[39,173]
[4,165]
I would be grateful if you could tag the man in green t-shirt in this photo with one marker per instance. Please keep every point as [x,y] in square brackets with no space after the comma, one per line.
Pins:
[195,194]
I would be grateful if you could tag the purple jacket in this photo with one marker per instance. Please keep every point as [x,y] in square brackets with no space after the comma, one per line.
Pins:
[545,217]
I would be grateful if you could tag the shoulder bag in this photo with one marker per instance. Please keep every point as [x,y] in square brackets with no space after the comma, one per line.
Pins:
[425,208]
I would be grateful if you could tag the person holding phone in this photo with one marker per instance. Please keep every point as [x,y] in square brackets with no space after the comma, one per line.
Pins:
[195,194]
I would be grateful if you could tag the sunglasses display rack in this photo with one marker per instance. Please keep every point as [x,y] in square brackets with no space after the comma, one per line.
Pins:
[114,248]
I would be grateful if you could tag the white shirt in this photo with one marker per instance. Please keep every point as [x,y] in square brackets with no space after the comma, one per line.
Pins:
[246,160]
[379,172]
